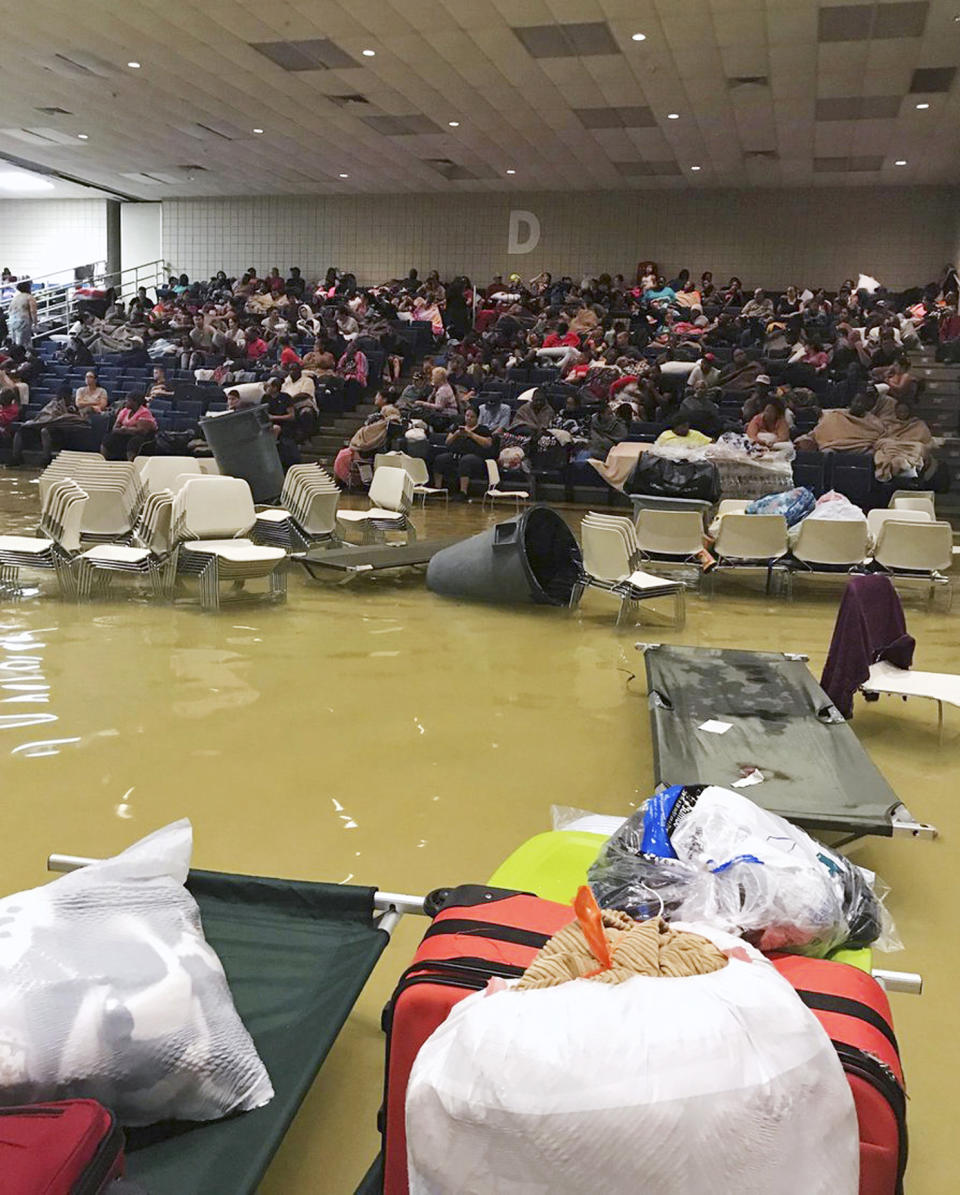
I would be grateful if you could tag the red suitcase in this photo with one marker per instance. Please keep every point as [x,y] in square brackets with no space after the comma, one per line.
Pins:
[74,1147]
[479,933]
[853,1009]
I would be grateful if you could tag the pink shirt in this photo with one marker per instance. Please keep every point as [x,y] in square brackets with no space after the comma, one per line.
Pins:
[141,419]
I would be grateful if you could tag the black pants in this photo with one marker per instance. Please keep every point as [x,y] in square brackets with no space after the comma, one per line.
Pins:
[452,467]
[117,446]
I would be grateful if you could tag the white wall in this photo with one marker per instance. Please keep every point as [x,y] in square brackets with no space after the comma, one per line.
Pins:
[141,234]
[901,235]
[39,236]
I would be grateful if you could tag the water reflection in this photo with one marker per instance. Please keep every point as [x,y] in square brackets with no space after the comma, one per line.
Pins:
[22,682]
[213,679]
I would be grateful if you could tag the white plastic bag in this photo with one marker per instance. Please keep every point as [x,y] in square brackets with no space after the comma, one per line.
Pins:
[722,1083]
[707,854]
[109,990]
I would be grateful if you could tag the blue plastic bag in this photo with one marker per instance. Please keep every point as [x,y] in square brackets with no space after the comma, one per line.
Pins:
[794,505]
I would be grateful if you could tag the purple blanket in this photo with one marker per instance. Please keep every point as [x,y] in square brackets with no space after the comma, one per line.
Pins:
[870,627]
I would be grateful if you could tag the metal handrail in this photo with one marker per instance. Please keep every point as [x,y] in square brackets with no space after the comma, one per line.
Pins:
[55,301]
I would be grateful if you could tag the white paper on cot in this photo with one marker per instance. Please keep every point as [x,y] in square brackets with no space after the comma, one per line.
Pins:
[715,726]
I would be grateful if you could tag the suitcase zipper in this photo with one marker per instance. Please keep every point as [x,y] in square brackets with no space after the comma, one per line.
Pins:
[824,1002]
[882,1079]
[102,1161]
[484,929]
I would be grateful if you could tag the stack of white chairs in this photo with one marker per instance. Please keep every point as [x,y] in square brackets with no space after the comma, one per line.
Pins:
[391,497]
[210,521]
[611,554]
[113,489]
[417,468]
[151,557]
[307,513]
[61,518]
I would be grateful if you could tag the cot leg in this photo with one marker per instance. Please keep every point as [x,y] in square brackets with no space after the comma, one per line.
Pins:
[940,722]
[623,605]
[278,584]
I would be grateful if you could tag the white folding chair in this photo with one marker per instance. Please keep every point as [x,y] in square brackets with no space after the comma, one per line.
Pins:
[417,468]
[876,518]
[830,545]
[495,494]
[674,538]
[61,518]
[917,550]
[750,541]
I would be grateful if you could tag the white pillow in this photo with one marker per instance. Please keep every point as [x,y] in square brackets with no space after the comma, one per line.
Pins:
[109,990]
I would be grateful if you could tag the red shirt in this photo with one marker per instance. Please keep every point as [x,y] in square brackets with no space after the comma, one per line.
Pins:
[289,356]
[9,413]
[555,341]
[256,348]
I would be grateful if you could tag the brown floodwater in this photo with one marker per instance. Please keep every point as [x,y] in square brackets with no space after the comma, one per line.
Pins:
[377,734]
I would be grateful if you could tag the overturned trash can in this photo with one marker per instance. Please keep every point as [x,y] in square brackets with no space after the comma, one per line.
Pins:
[532,558]
[244,446]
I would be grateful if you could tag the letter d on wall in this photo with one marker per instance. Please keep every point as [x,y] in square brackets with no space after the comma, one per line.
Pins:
[523,234]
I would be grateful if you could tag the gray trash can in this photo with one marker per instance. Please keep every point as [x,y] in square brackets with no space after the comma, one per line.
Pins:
[532,558]
[244,446]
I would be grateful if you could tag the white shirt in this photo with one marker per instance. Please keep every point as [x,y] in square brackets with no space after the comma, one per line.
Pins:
[303,385]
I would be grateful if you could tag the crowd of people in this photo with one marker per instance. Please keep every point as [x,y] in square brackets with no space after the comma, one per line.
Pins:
[601,354]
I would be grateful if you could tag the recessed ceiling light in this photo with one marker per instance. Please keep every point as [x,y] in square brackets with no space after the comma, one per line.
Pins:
[454,124]
[673,116]
[134,66]
[19,180]
[694,167]
[258,130]
[638,37]
[344,175]
[83,137]
[511,172]
[900,162]
[369,53]
[923,106]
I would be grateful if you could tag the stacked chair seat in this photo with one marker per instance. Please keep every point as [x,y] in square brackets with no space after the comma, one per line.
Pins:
[210,521]
[112,487]
[391,497]
[611,555]
[307,513]
[153,557]
[61,517]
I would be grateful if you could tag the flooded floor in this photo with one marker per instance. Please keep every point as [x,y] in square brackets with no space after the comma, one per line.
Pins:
[378,734]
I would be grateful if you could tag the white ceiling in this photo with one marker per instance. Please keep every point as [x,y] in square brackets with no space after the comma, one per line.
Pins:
[461,60]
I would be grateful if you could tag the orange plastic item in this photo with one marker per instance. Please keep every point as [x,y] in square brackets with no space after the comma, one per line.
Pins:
[588,915]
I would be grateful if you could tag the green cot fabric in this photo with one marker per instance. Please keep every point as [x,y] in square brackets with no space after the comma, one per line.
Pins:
[297,956]
[816,774]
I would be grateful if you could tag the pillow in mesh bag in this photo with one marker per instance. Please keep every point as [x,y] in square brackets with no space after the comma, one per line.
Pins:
[109,990]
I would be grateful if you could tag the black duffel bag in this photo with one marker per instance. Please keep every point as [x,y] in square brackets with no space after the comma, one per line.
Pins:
[662,477]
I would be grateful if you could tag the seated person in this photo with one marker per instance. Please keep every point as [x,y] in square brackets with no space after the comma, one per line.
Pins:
[705,375]
[742,373]
[495,414]
[853,429]
[58,412]
[681,435]
[906,447]
[159,388]
[298,384]
[535,415]
[463,456]
[236,402]
[91,396]
[770,425]
[9,412]
[607,428]
[702,413]
[132,428]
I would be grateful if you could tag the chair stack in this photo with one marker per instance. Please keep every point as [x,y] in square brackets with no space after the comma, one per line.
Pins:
[113,489]
[417,468]
[611,554]
[152,557]
[307,512]
[161,472]
[391,495]
[61,517]
[211,517]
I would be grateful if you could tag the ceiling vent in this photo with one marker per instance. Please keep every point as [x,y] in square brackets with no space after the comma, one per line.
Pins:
[45,138]
[314,54]
[349,101]
[747,81]
[761,155]
[86,66]
[54,111]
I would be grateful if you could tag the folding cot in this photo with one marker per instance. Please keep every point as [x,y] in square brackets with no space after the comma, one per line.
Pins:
[351,561]
[297,955]
[778,722]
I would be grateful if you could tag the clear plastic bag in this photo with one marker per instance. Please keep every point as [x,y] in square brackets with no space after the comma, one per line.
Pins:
[108,990]
[705,854]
